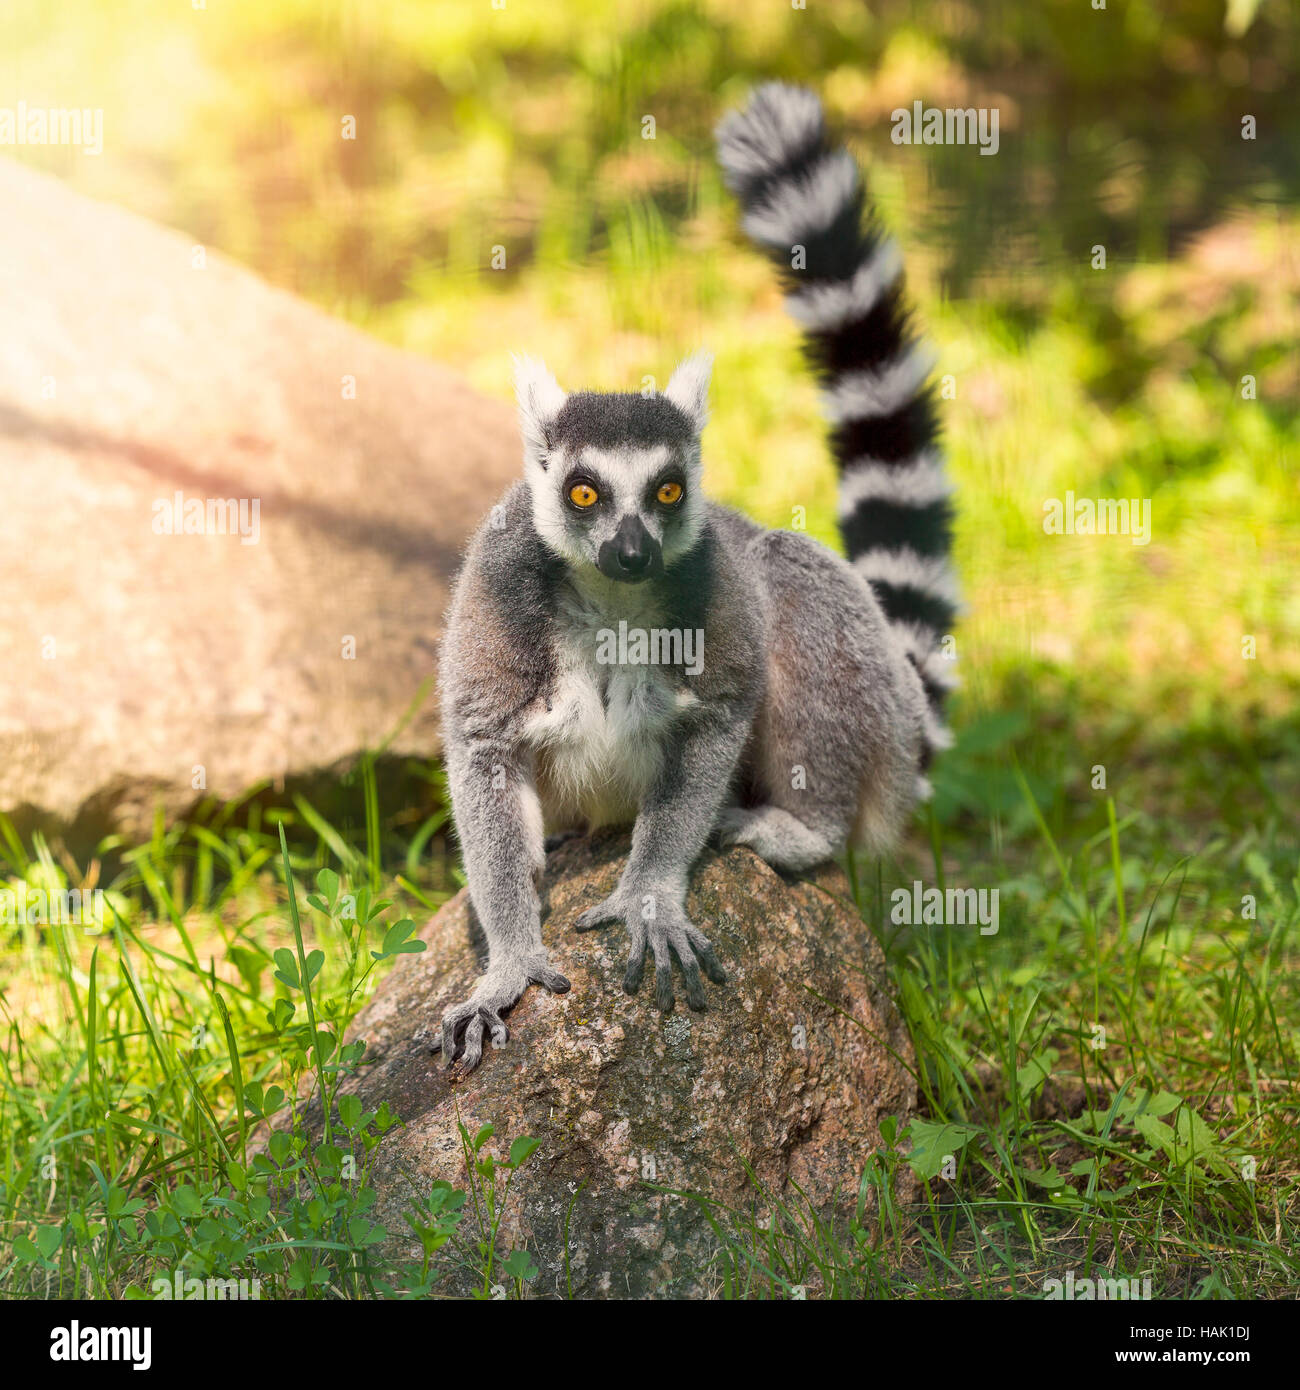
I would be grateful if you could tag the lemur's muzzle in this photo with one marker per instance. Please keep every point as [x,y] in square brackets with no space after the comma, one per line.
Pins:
[632,555]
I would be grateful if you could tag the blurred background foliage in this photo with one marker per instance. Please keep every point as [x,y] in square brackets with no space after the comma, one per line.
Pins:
[521,127]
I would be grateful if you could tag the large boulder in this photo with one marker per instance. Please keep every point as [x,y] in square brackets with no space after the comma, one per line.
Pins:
[790,1071]
[133,367]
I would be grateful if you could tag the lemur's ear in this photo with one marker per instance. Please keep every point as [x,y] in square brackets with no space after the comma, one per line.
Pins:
[540,399]
[688,388]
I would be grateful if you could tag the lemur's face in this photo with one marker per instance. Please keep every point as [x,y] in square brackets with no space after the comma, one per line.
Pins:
[629,510]
[615,478]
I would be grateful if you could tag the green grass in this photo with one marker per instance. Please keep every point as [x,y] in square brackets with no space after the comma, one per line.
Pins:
[1137,1150]
[136,1063]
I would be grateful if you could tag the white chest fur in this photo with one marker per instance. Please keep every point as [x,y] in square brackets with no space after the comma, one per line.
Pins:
[601,734]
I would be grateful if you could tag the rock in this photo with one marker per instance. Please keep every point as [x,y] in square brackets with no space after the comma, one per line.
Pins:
[617,1093]
[127,375]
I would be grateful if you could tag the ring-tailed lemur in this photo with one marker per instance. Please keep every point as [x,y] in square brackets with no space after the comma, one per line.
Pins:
[807,717]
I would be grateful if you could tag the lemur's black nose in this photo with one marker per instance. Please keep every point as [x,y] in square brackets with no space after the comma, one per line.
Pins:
[631,555]
[634,544]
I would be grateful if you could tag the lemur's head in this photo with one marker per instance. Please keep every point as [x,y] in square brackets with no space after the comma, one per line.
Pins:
[615,477]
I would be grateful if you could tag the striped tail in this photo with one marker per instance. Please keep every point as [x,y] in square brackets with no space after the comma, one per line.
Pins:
[803,202]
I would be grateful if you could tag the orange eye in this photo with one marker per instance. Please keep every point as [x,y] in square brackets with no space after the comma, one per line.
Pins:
[583,495]
[669,493]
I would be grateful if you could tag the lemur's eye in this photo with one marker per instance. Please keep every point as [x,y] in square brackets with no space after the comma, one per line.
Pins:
[583,495]
[669,493]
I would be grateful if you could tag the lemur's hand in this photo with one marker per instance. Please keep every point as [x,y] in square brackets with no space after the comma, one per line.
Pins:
[498,990]
[657,919]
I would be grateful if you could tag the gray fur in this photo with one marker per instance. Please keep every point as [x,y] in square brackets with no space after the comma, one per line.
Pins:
[608,419]
[803,726]
[802,730]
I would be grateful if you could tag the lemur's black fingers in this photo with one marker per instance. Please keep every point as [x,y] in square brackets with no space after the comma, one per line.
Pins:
[694,987]
[635,969]
[702,947]
[551,979]
[684,955]
[664,988]
[451,1024]
[473,1043]
[712,968]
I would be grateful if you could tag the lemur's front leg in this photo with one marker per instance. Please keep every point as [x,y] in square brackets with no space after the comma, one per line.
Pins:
[500,827]
[674,823]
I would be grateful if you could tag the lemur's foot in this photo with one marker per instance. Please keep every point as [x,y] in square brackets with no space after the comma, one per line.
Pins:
[658,922]
[780,839]
[500,989]
[560,837]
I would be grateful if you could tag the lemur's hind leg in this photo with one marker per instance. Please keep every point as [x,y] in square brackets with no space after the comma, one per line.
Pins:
[833,752]
[776,836]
